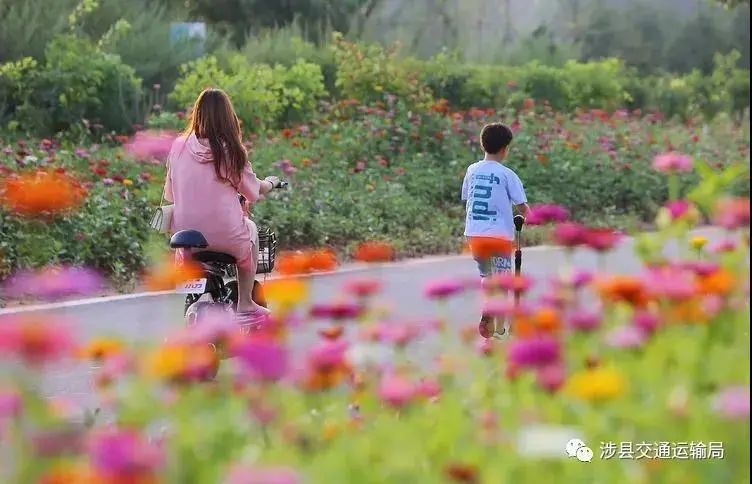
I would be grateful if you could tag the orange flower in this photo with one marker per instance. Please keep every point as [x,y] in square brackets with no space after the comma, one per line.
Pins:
[374,252]
[542,321]
[687,312]
[487,247]
[41,193]
[101,349]
[70,473]
[719,282]
[169,274]
[288,133]
[547,320]
[627,289]
[323,260]
[293,263]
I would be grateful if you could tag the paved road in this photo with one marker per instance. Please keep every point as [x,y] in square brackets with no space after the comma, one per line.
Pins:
[151,317]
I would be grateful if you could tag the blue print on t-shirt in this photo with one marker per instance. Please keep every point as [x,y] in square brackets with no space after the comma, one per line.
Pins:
[482,191]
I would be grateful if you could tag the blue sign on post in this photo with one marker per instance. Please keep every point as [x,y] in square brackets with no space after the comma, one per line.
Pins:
[193,32]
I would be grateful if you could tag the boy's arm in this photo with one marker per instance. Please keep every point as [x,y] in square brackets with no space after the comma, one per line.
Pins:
[522,208]
[465,187]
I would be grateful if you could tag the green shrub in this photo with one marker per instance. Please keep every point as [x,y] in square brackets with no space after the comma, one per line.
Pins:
[368,72]
[77,83]
[263,96]
[286,46]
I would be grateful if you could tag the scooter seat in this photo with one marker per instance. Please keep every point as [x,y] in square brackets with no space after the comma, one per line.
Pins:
[209,257]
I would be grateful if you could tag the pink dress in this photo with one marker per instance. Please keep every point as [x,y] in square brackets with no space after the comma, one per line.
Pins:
[204,203]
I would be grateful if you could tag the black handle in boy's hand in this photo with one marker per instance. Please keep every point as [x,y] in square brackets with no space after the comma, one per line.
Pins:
[519,221]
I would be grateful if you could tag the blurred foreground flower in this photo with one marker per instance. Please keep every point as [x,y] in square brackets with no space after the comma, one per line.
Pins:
[34,339]
[286,293]
[101,349]
[396,390]
[242,474]
[120,455]
[732,213]
[597,384]
[265,358]
[363,287]
[150,145]
[628,289]
[53,283]
[41,193]
[546,214]
[168,274]
[374,252]
[733,403]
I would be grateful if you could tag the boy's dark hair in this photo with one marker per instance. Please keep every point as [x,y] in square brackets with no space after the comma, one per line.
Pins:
[495,137]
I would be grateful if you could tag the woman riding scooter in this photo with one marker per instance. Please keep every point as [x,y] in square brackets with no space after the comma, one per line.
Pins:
[207,168]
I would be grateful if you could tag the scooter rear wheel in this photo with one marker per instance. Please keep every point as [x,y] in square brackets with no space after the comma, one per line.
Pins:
[258,294]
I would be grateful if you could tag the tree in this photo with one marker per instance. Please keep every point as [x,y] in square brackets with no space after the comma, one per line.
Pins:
[238,17]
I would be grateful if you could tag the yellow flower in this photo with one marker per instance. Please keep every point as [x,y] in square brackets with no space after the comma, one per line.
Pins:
[698,242]
[167,362]
[127,182]
[101,348]
[597,384]
[287,292]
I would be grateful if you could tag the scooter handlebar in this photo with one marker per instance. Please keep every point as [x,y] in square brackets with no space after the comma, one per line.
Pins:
[519,221]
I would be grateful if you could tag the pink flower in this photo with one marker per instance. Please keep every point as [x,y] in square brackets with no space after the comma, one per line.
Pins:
[212,324]
[34,339]
[602,240]
[53,283]
[551,377]
[286,166]
[499,308]
[396,390]
[327,354]
[484,347]
[570,234]
[647,322]
[242,474]
[671,282]
[584,320]
[732,403]
[264,357]
[673,162]
[363,287]
[546,213]
[443,289]
[337,310]
[678,209]
[534,352]
[119,453]
[400,334]
[151,145]
[626,337]
[732,213]
[10,403]
[506,282]
[723,246]
[429,388]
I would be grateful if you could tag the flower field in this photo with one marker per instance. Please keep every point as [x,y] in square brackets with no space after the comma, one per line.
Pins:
[649,370]
[358,173]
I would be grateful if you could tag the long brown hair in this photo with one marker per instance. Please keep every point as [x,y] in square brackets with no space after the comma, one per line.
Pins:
[213,118]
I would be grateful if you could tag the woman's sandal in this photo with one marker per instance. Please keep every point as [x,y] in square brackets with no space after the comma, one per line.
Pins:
[251,320]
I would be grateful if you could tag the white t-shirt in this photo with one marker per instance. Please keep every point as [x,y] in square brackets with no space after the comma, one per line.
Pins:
[491,190]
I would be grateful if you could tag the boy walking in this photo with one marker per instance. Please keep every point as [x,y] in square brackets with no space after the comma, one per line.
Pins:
[492,192]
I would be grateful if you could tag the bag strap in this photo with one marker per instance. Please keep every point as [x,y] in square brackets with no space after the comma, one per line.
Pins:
[164,188]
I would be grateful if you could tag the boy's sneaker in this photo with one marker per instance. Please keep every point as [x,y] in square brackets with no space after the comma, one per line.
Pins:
[486,326]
